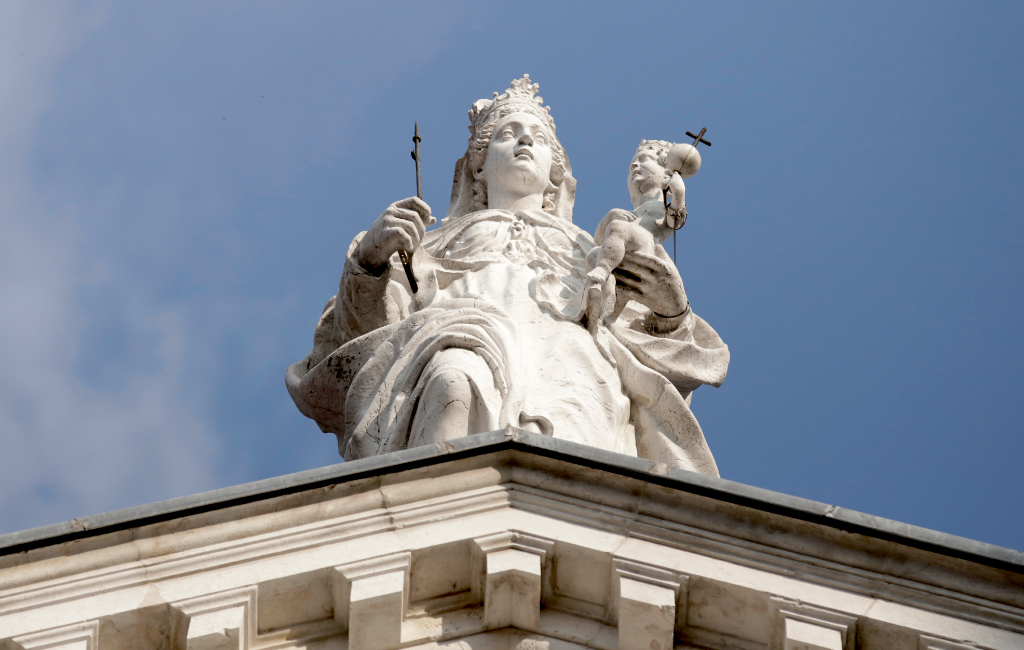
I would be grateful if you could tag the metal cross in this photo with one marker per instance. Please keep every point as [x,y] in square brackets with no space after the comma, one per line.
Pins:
[697,139]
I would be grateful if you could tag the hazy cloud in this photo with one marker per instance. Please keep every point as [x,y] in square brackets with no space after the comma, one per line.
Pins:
[66,447]
[179,182]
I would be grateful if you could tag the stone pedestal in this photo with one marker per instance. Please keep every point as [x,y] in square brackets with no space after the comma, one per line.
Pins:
[499,541]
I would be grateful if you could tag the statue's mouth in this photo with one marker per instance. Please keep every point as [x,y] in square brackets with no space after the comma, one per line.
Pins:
[524,152]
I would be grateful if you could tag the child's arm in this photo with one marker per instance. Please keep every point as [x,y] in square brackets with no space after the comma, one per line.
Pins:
[613,215]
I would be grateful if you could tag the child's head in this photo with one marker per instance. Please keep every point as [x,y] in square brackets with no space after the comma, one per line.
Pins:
[647,172]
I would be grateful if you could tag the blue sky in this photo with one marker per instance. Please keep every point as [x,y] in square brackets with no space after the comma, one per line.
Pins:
[179,183]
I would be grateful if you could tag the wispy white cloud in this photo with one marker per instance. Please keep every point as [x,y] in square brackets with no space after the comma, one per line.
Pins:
[67,448]
[153,158]
[179,182]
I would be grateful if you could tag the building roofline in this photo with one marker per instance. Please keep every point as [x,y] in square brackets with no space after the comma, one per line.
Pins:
[521,441]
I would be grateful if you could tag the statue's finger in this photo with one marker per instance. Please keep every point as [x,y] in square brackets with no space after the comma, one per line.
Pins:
[412,217]
[622,272]
[621,298]
[625,294]
[404,227]
[418,205]
[637,271]
[649,267]
[633,284]
[643,260]
[405,242]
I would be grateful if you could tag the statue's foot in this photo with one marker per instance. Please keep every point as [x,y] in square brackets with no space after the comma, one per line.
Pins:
[594,300]
[597,276]
[608,299]
[601,340]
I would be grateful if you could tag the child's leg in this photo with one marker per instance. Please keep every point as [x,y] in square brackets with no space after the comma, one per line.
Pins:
[611,252]
[601,282]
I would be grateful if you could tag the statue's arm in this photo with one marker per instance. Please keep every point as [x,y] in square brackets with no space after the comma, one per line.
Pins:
[679,328]
[667,336]
[654,282]
[368,297]
[688,356]
[366,300]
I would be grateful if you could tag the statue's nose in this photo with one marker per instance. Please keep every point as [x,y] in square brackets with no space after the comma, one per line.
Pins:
[526,139]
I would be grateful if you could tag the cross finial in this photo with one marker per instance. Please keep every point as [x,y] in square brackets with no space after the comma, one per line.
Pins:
[697,139]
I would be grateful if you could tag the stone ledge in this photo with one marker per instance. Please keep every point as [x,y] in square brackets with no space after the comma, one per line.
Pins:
[517,440]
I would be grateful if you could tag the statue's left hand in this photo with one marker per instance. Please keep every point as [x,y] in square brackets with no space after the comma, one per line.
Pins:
[652,282]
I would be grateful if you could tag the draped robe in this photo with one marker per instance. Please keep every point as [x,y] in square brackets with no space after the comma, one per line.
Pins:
[507,288]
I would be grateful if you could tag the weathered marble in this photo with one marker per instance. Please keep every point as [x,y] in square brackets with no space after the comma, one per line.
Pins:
[503,540]
[496,334]
[654,171]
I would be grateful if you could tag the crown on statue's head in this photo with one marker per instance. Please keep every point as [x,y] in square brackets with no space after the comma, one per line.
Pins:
[520,96]
[653,145]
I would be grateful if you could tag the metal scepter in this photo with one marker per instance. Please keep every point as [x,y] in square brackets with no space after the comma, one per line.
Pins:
[405,257]
[697,139]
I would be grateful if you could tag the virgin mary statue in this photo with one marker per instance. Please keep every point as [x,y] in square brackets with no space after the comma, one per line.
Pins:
[495,335]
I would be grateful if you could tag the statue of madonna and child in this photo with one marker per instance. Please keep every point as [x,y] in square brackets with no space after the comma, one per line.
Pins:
[502,329]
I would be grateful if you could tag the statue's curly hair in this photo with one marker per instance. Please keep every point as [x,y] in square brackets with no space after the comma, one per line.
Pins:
[660,150]
[482,139]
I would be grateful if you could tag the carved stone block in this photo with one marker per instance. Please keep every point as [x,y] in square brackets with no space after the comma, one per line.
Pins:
[84,636]
[370,599]
[513,589]
[647,615]
[222,621]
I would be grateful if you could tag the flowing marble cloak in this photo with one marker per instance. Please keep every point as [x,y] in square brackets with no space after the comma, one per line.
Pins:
[508,289]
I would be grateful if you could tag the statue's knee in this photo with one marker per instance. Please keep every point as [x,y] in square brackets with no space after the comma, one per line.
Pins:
[613,249]
[450,384]
[459,397]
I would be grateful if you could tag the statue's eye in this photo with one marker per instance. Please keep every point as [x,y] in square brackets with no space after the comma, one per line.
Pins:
[506,134]
[540,137]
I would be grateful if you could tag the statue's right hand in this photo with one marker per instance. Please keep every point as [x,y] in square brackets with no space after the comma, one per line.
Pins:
[400,227]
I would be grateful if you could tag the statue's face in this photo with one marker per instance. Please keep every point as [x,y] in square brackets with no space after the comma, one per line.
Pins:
[519,155]
[645,174]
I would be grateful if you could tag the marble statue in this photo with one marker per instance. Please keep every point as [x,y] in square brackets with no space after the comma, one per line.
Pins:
[497,333]
[641,231]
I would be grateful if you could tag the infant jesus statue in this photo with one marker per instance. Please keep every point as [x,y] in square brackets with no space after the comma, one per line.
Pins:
[657,169]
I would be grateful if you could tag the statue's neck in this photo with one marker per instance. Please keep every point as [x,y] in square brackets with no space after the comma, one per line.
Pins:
[511,202]
[650,206]
[653,193]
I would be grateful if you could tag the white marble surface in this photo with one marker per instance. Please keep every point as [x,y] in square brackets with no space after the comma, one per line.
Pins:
[495,335]
[500,551]
[653,172]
